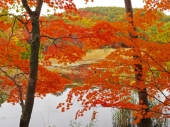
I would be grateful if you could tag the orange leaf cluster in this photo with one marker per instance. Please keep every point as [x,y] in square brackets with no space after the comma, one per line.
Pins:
[157,4]
[110,82]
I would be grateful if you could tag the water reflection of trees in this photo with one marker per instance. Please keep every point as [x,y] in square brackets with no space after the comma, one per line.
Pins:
[124,117]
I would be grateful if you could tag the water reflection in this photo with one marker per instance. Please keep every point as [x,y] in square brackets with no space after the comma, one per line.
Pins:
[45,114]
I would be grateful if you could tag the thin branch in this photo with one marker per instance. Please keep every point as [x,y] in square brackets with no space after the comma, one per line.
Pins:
[18,86]
[150,57]
[157,62]
[151,95]
[17,17]
[156,83]
[130,86]
[64,37]
[71,37]
[12,31]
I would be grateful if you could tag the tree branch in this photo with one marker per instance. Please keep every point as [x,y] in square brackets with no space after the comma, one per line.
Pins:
[165,70]
[39,6]
[17,85]
[27,8]
[12,30]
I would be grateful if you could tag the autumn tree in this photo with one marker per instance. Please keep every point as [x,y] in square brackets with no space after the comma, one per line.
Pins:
[108,82]
[21,34]
[142,93]
[157,4]
[142,67]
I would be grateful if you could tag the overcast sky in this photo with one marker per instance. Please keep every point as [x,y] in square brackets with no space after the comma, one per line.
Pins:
[101,3]
[118,3]
[98,3]
[108,3]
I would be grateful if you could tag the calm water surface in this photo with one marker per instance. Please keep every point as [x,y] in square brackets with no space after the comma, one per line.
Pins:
[45,114]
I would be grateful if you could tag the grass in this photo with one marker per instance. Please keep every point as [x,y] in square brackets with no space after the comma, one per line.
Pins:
[97,54]
[72,71]
[91,56]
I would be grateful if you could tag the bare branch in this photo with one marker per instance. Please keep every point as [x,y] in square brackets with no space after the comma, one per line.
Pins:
[154,80]
[19,19]
[64,37]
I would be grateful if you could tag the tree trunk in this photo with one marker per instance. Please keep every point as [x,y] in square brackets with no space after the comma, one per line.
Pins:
[35,44]
[142,93]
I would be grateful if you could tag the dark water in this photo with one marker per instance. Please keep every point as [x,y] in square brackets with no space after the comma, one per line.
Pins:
[45,114]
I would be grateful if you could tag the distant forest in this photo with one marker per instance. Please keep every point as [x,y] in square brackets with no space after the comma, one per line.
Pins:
[110,13]
[113,14]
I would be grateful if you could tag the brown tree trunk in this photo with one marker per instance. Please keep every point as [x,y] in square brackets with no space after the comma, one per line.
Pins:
[142,93]
[29,102]
[35,45]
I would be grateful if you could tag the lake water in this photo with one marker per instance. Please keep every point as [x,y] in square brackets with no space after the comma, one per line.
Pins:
[45,114]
